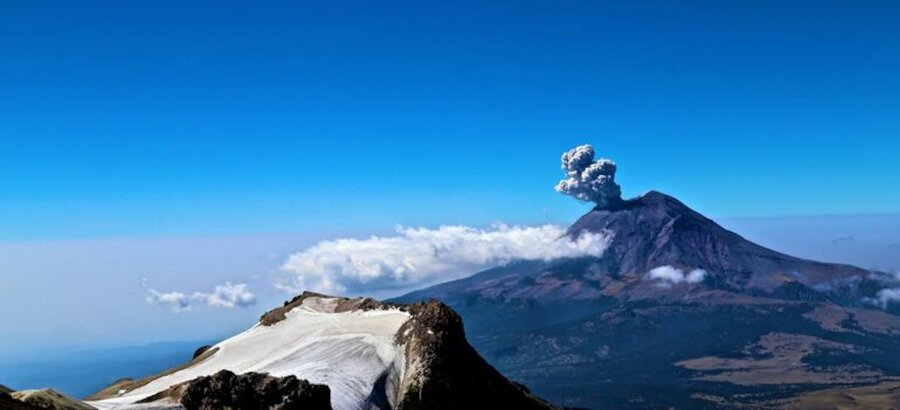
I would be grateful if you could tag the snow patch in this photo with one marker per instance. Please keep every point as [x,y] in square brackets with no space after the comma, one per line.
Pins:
[321,305]
[348,351]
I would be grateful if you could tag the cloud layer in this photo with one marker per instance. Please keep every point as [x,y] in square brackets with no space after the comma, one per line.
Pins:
[668,275]
[589,180]
[223,296]
[417,256]
[889,295]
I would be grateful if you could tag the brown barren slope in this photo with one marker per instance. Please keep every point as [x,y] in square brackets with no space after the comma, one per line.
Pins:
[878,397]
[118,386]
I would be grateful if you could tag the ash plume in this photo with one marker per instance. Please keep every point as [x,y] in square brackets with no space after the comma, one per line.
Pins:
[588,179]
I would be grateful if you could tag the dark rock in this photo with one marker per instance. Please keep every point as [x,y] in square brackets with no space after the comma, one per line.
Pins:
[254,391]
[200,351]
[442,370]
[344,305]
[7,402]
[445,372]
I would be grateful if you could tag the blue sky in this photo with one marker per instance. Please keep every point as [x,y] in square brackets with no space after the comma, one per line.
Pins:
[184,142]
[181,118]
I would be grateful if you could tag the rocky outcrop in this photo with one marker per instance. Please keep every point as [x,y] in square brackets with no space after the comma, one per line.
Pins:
[341,305]
[49,399]
[200,351]
[253,391]
[38,399]
[444,372]
[7,402]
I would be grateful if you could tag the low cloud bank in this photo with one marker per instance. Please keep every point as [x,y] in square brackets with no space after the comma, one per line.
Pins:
[418,256]
[888,295]
[227,295]
[668,275]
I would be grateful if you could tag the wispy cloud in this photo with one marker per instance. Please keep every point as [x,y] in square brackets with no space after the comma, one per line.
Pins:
[227,295]
[418,256]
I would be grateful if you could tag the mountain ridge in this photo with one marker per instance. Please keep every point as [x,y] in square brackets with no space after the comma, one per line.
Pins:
[370,354]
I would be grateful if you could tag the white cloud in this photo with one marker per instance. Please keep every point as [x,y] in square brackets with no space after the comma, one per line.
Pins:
[417,256]
[887,296]
[223,296]
[669,275]
[176,301]
[228,296]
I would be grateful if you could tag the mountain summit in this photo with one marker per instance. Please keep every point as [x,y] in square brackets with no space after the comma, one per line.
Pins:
[677,312]
[323,352]
[656,230]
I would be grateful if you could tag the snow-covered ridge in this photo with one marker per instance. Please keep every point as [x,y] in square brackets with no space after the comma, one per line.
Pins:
[320,340]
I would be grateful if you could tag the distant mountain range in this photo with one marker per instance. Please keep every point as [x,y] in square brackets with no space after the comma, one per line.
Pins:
[678,312]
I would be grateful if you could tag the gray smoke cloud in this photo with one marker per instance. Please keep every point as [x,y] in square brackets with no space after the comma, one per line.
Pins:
[587,179]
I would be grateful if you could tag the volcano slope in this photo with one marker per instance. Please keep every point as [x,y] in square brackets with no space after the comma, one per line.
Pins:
[677,313]
[369,354]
